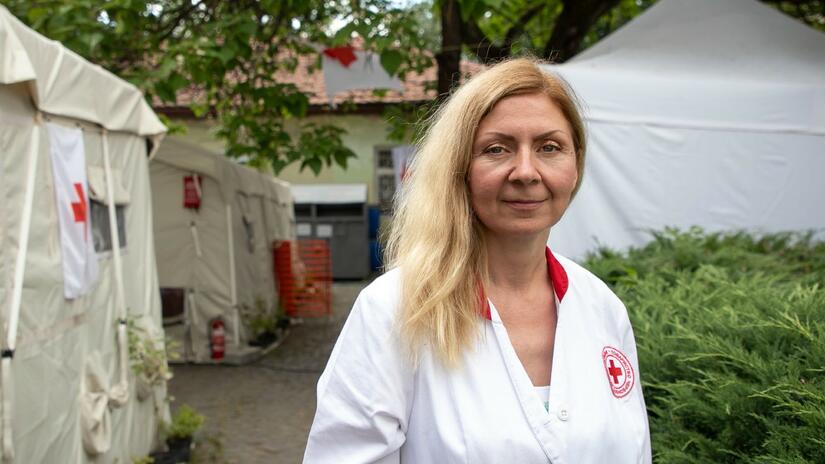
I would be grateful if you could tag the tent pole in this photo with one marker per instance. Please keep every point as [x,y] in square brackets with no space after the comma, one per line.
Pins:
[233,291]
[17,292]
[149,265]
[120,391]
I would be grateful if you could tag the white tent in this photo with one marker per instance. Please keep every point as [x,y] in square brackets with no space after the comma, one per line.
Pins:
[708,113]
[68,392]
[216,260]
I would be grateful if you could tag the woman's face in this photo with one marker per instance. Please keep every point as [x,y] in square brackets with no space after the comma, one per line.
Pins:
[523,169]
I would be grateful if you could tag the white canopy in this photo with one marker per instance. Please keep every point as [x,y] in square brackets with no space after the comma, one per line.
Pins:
[63,83]
[708,113]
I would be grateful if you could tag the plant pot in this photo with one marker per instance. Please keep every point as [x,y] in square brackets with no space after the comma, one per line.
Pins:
[180,451]
[264,339]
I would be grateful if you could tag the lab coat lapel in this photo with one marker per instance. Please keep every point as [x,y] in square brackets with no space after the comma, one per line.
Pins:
[539,420]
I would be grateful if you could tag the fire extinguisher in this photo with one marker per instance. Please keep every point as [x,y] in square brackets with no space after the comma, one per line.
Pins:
[217,339]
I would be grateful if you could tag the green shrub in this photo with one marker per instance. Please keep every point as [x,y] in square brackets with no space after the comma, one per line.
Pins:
[730,330]
[185,423]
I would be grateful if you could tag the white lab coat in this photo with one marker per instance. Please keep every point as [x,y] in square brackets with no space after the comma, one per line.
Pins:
[374,407]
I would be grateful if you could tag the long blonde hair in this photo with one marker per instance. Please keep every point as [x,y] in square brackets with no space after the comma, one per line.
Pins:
[434,237]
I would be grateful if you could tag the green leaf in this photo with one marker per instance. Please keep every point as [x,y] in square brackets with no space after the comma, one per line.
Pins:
[176,82]
[92,40]
[493,3]
[36,14]
[199,109]
[341,157]
[391,60]
[314,164]
[165,92]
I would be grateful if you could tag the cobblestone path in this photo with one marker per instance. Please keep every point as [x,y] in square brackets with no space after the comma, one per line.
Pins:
[261,413]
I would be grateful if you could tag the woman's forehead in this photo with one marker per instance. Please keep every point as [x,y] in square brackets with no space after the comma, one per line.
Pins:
[523,114]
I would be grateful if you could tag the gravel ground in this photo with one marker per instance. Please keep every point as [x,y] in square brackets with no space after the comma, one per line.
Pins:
[261,412]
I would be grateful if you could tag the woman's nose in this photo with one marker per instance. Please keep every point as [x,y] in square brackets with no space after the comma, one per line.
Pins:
[524,167]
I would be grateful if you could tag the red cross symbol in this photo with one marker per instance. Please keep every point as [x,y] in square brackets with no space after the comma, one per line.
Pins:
[614,372]
[345,55]
[80,208]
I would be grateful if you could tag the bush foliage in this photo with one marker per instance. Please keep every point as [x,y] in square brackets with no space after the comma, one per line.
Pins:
[730,331]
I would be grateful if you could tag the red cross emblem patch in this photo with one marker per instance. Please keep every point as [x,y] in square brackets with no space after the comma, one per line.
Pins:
[619,371]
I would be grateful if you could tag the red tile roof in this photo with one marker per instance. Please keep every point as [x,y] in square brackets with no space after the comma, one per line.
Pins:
[310,80]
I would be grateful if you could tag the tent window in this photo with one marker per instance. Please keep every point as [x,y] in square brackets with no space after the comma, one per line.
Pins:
[101,232]
[100,210]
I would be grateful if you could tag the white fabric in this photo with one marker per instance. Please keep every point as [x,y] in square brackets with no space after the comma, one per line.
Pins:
[97,186]
[328,194]
[95,416]
[120,391]
[68,159]
[365,72]
[373,406]
[62,83]
[543,392]
[10,337]
[707,113]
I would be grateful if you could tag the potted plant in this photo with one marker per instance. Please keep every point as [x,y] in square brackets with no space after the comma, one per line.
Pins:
[147,356]
[179,434]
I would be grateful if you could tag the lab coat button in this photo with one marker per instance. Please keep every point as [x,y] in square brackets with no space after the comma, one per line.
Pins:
[563,415]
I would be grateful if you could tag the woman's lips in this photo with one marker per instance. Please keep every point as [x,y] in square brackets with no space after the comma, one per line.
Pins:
[524,205]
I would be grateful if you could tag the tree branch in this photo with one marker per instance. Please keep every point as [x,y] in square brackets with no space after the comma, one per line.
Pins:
[182,14]
[572,25]
[484,48]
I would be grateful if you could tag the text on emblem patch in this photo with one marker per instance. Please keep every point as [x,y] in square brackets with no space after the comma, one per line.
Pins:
[619,371]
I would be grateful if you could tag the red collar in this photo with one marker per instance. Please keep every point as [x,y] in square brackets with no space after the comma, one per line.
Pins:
[558,278]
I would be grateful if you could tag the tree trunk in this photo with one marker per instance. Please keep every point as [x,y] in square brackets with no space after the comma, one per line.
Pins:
[449,59]
[572,25]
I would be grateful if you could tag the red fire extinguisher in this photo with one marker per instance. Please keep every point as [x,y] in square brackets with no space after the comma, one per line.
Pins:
[217,338]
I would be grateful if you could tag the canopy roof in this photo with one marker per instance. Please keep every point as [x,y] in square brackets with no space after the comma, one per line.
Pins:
[231,176]
[329,194]
[63,83]
[722,64]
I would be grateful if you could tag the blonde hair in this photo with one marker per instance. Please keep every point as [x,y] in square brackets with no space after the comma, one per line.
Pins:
[434,237]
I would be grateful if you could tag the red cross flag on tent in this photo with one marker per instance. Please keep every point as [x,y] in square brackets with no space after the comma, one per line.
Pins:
[68,159]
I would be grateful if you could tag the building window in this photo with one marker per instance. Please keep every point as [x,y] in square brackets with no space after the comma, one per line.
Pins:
[384,177]
[101,233]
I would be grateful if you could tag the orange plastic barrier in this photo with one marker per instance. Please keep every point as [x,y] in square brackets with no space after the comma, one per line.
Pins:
[304,277]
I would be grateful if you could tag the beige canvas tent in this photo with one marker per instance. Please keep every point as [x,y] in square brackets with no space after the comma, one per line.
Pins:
[215,258]
[68,391]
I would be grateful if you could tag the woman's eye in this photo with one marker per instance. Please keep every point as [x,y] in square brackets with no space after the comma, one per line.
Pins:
[550,148]
[494,150]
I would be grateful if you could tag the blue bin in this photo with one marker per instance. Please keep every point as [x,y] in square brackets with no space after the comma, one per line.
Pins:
[376,260]
[373,222]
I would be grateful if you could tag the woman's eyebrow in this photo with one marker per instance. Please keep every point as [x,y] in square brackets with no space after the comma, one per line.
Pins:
[548,134]
[509,137]
[497,135]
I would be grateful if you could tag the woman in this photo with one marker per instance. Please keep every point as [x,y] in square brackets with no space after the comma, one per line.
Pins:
[480,345]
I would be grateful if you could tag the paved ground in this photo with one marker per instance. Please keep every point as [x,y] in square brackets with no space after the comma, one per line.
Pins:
[261,413]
